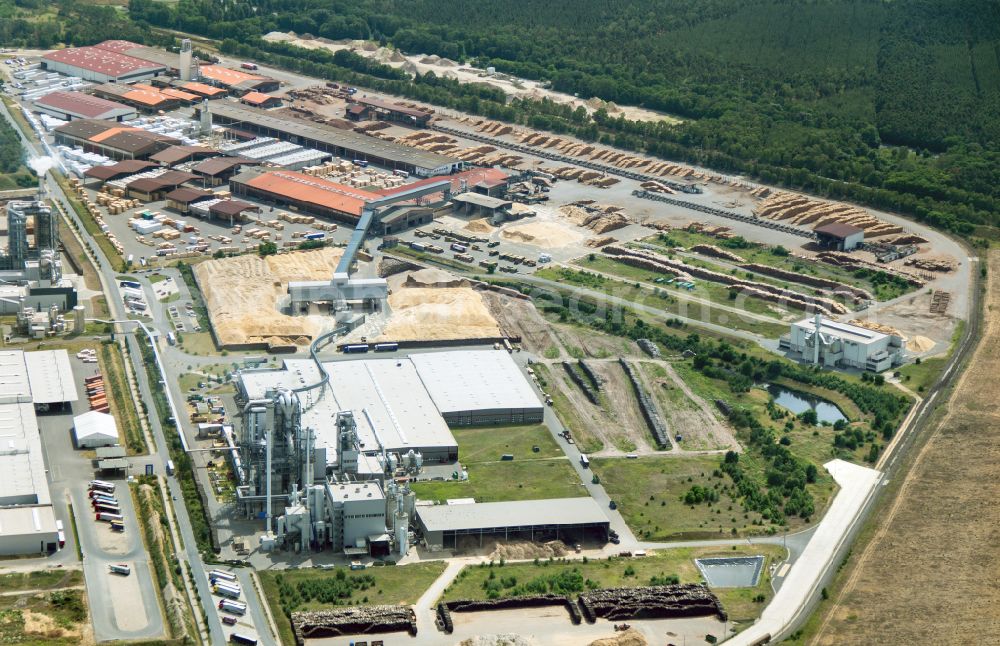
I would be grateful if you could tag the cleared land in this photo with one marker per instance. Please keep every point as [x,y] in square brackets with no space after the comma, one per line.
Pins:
[684,412]
[48,607]
[242,294]
[928,574]
[292,590]
[560,576]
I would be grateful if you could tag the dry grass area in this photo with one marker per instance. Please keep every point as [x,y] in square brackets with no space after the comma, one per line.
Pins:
[929,574]
[242,294]
[519,318]
[434,305]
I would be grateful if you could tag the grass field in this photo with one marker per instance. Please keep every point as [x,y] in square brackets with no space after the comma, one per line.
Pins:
[912,575]
[672,300]
[289,590]
[567,413]
[487,444]
[762,254]
[510,579]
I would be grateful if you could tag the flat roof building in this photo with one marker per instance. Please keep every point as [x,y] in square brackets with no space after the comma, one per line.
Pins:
[141,97]
[237,82]
[175,155]
[77,105]
[100,65]
[442,525]
[95,429]
[27,520]
[342,143]
[261,100]
[111,139]
[843,345]
[478,387]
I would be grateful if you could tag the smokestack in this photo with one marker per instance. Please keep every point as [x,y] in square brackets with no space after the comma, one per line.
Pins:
[206,118]
[184,66]
[817,337]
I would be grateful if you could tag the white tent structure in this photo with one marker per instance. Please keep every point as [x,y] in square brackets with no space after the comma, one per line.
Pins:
[93,429]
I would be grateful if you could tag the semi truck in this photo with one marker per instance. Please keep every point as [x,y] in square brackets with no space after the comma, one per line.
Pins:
[102,485]
[221,575]
[120,568]
[108,517]
[224,589]
[386,347]
[61,534]
[232,606]
[117,526]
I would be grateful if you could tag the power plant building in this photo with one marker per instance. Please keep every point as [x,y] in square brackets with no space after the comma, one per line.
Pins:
[833,344]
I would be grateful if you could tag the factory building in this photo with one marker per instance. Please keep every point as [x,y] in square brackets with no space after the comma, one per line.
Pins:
[829,343]
[478,387]
[303,193]
[27,383]
[260,100]
[68,106]
[335,141]
[111,140]
[235,81]
[371,108]
[839,236]
[118,170]
[219,170]
[142,97]
[175,155]
[566,519]
[100,65]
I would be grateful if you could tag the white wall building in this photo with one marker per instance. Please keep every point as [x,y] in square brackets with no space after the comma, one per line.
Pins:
[842,345]
[93,429]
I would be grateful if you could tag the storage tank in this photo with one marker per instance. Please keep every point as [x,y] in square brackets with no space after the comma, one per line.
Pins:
[79,319]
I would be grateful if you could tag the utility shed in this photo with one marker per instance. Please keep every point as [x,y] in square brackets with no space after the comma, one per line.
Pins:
[478,387]
[93,429]
[443,524]
[839,236]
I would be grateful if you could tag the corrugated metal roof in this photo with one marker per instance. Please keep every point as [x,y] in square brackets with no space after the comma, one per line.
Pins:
[522,513]
[202,89]
[355,143]
[50,376]
[474,380]
[186,195]
[218,165]
[121,169]
[838,229]
[257,98]
[232,207]
[311,190]
[95,424]
[101,61]
[227,76]
[84,105]
[176,154]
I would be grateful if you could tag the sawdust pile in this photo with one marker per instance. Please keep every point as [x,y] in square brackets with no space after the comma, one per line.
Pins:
[482,225]
[876,327]
[438,314]
[630,637]
[519,550]
[920,344]
[547,235]
[242,294]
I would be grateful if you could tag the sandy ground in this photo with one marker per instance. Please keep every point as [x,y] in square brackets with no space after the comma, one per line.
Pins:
[435,305]
[130,614]
[929,575]
[243,294]
[519,318]
[514,87]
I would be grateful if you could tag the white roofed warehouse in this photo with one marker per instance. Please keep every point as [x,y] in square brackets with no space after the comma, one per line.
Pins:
[93,429]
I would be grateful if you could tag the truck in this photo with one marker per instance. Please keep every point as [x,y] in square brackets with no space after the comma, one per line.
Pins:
[221,575]
[103,507]
[315,235]
[120,568]
[249,66]
[102,485]
[236,638]
[418,246]
[61,534]
[232,606]
[108,516]
[171,338]
[386,347]
[584,461]
[117,526]
[361,163]
[226,590]
[170,467]
[460,248]
[356,347]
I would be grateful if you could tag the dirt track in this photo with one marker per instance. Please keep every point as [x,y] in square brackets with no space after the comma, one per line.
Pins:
[929,575]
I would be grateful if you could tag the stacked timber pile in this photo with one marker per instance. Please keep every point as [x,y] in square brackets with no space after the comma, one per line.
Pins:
[321,624]
[823,283]
[715,252]
[652,602]
[598,218]
[841,259]
[935,263]
[763,291]
[801,211]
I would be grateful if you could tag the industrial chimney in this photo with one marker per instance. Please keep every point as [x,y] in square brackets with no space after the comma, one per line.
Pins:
[184,67]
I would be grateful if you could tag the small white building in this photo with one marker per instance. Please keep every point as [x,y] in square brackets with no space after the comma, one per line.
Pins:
[93,429]
[841,345]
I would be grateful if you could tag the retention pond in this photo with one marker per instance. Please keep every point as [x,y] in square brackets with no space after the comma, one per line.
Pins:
[731,572]
[799,402]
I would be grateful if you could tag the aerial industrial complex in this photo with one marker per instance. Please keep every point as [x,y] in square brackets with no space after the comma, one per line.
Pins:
[339,330]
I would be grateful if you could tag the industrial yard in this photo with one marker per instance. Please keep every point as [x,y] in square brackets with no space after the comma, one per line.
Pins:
[417,368]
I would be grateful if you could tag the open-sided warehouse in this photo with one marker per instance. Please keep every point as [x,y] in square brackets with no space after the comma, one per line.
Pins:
[478,387]
[303,193]
[442,525]
[111,139]
[343,143]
